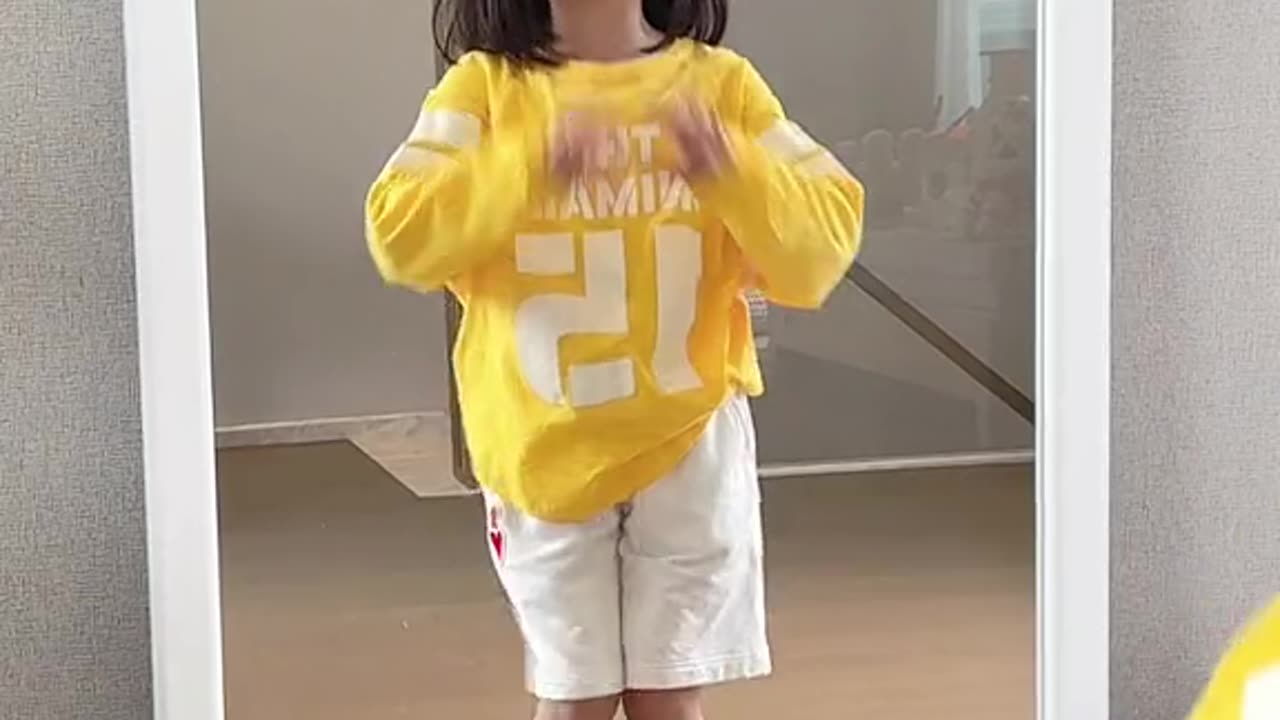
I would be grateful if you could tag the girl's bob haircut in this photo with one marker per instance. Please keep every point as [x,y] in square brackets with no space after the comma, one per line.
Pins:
[520,30]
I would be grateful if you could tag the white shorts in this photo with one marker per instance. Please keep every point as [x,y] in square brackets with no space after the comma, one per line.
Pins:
[664,592]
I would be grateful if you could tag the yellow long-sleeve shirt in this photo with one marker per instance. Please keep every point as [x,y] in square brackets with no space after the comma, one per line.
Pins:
[1246,685]
[604,322]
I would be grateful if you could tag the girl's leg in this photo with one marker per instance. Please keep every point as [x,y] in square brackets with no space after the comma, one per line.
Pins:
[663,704]
[693,611]
[562,584]
[601,709]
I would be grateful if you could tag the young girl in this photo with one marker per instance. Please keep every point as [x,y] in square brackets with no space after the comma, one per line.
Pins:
[598,184]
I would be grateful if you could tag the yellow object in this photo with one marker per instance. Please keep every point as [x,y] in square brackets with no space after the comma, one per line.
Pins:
[605,321]
[1246,684]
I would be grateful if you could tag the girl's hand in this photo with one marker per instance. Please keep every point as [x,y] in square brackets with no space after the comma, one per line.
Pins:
[701,143]
[578,146]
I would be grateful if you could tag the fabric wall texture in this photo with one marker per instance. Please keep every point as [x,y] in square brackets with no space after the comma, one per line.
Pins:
[1196,334]
[74,639]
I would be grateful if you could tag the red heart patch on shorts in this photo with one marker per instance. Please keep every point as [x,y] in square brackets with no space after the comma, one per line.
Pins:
[498,542]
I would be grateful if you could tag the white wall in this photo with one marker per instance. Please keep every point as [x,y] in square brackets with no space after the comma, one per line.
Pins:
[844,69]
[845,66]
[303,101]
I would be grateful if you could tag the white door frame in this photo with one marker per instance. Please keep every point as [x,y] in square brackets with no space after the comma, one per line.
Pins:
[1073,358]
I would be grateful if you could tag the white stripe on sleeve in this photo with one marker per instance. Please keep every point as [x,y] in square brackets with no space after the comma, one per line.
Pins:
[448,128]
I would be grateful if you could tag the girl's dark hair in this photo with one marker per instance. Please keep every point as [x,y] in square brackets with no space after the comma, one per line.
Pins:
[520,30]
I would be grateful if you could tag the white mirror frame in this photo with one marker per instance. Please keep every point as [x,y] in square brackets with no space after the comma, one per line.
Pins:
[1073,351]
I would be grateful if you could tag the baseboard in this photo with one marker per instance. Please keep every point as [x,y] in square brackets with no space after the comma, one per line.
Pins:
[314,430]
[414,448]
[921,462]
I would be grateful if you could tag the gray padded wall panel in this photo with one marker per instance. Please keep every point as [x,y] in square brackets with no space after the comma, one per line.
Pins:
[1196,334]
[73,595]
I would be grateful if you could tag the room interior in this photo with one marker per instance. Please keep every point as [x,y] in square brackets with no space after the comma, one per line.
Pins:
[355,578]
[101,234]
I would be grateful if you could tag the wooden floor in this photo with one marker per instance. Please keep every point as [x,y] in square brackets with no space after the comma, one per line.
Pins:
[893,596]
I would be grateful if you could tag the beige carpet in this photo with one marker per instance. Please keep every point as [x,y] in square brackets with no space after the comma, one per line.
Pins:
[896,596]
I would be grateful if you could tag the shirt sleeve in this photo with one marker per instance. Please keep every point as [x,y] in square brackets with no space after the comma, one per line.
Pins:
[1246,683]
[793,208]
[452,194]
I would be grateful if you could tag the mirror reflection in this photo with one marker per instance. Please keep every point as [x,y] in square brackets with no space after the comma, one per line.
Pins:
[594,519]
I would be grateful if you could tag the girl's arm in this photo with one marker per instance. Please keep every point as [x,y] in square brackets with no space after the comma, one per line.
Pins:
[792,207]
[453,193]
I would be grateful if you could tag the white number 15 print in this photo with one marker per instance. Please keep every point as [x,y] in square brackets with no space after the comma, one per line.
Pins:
[543,320]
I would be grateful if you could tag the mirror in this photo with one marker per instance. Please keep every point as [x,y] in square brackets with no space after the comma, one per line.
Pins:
[895,440]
